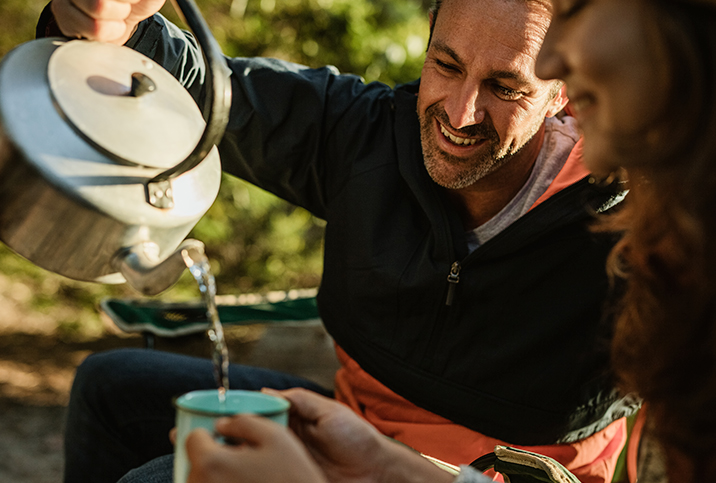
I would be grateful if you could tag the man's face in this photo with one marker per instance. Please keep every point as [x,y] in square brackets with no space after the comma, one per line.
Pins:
[480,102]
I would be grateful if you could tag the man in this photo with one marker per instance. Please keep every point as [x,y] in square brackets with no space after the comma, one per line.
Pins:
[461,282]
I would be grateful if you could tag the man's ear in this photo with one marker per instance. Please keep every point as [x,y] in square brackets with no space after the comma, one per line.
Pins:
[558,103]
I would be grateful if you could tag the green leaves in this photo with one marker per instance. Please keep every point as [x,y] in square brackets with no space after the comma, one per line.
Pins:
[257,242]
[17,22]
[377,39]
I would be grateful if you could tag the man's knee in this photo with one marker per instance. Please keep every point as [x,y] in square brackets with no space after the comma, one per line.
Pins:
[109,372]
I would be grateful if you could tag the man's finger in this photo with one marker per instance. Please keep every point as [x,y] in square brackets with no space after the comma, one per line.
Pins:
[255,430]
[307,404]
[199,441]
[113,10]
[75,23]
[206,457]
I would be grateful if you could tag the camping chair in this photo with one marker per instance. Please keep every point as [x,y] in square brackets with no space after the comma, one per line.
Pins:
[519,466]
[516,466]
[154,318]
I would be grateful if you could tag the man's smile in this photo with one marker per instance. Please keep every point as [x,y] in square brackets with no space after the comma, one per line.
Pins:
[460,141]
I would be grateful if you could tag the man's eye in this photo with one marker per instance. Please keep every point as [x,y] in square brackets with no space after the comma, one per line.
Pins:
[445,66]
[506,93]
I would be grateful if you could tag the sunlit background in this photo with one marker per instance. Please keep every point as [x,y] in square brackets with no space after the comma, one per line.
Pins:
[255,242]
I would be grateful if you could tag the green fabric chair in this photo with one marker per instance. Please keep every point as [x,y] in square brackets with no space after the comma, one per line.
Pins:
[154,318]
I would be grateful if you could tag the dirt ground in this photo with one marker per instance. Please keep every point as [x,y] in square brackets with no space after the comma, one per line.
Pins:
[37,368]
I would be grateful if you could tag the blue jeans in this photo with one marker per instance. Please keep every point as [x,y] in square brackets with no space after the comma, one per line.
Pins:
[159,470]
[120,409]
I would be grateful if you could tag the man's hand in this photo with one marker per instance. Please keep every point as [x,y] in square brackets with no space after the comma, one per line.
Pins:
[269,452]
[112,21]
[345,446]
[348,449]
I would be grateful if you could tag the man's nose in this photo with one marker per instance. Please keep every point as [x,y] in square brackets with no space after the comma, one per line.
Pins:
[464,107]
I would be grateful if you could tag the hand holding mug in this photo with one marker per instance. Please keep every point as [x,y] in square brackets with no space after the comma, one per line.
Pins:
[199,411]
[268,452]
[348,449]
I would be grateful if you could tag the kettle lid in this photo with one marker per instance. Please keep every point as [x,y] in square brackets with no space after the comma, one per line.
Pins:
[124,104]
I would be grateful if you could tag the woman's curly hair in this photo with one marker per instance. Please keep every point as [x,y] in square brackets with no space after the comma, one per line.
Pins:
[664,345]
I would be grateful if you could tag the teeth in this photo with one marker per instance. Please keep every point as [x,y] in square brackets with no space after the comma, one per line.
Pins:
[582,103]
[457,140]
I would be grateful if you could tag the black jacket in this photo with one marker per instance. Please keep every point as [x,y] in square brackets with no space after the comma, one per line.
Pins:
[521,353]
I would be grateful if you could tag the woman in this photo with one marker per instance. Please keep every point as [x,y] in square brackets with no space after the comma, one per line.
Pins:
[641,76]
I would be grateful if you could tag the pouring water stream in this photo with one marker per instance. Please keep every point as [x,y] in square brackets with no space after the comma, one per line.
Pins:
[198,265]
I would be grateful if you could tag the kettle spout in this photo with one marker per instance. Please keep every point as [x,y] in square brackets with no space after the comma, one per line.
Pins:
[145,273]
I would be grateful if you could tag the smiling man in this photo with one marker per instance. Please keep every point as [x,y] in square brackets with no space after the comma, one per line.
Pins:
[481,106]
[462,284]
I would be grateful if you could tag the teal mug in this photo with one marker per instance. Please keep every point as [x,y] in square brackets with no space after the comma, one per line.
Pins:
[201,409]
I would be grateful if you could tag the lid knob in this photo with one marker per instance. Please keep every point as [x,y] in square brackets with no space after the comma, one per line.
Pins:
[141,84]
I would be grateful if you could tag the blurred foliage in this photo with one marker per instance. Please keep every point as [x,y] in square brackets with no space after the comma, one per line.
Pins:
[17,22]
[255,241]
[378,39]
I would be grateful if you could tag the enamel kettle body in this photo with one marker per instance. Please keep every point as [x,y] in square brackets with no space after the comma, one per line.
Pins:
[91,136]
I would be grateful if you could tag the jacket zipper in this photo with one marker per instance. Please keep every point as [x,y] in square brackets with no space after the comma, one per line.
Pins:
[453,279]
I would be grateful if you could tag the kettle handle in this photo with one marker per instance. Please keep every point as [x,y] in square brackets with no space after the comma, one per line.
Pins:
[218,94]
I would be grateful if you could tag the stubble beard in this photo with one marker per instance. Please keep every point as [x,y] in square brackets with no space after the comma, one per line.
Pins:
[454,172]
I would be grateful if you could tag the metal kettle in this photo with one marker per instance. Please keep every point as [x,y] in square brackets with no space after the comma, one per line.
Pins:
[106,162]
